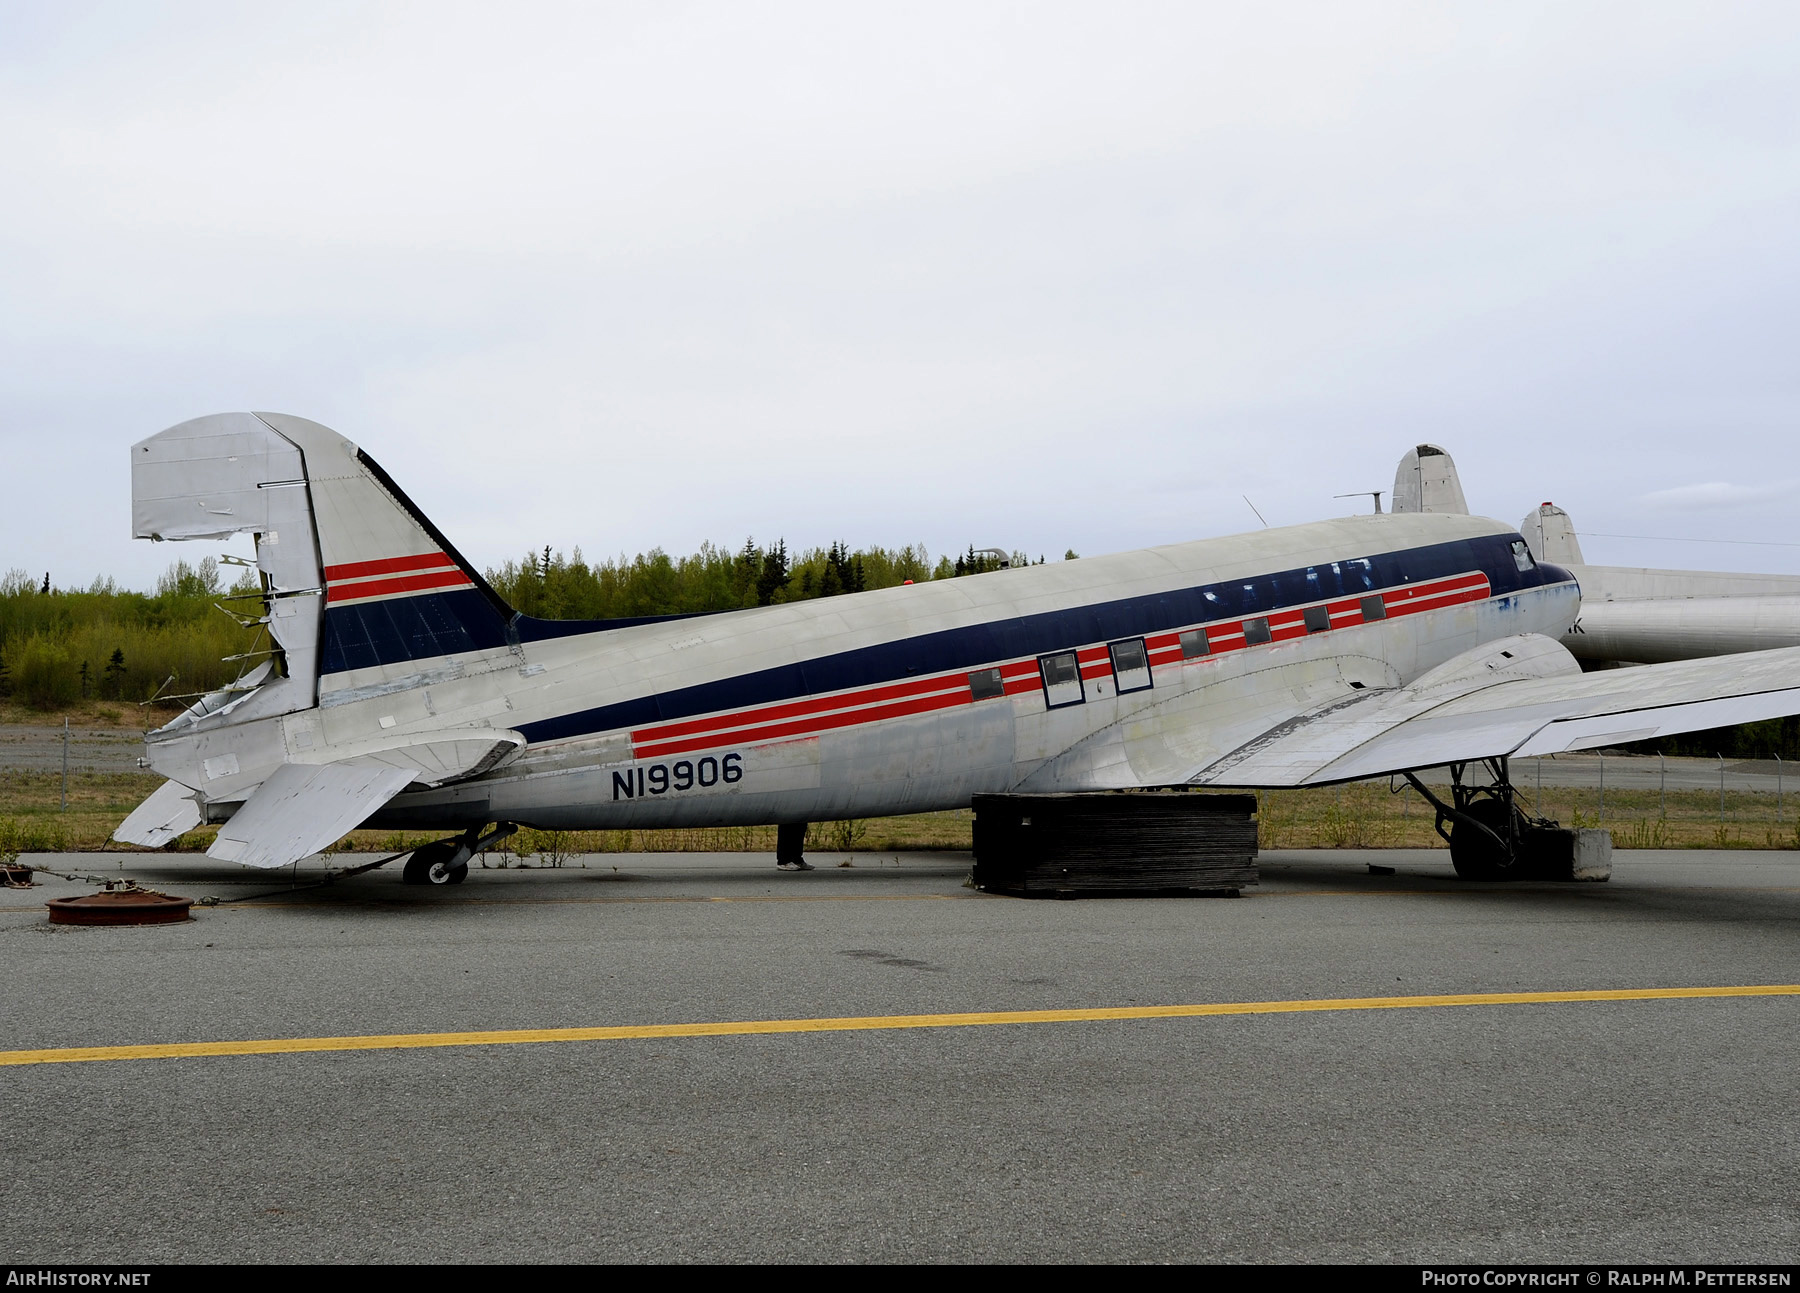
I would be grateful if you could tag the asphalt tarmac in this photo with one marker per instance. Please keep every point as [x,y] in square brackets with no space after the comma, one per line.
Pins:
[40,749]
[1591,1131]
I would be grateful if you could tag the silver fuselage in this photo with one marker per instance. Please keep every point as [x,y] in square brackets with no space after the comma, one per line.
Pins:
[740,718]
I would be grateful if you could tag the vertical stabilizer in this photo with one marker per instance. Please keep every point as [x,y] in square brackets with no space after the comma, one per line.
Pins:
[356,580]
[1550,534]
[1426,481]
[396,591]
[361,598]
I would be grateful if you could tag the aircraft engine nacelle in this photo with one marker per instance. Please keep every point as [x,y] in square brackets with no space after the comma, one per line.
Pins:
[1652,632]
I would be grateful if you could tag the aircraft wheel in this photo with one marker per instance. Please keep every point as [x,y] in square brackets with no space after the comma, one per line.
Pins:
[435,864]
[1474,855]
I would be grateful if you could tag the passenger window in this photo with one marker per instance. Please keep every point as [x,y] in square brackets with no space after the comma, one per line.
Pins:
[1256,632]
[1373,608]
[985,684]
[1522,557]
[1062,679]
[1131,664]
[1194,644]
[1318,619]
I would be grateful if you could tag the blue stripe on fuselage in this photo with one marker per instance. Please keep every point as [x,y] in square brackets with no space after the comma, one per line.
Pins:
[400,629]
[397,629]
[950,650]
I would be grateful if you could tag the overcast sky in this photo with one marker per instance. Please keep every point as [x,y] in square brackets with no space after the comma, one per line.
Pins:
[1029,276]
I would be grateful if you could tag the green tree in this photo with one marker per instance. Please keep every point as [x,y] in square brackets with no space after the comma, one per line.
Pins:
[773,580]
[44,672]
[113,676]
[887,567]
[746,574]
[183,580]
[831,578]
[653,586]
[979,563]
[847,567]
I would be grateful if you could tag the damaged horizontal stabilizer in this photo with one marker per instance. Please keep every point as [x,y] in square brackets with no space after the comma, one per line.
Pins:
[432,758]
[169,812]
[302,810]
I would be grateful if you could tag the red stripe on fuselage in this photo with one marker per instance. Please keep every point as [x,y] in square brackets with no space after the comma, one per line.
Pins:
[923,695]
[387,566]
[1449,592]
[809,726]
[434,581]
[802,708]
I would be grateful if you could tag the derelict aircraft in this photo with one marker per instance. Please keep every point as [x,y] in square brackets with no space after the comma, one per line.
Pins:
[402,691]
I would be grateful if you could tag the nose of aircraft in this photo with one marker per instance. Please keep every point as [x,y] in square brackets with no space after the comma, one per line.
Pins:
[1555,574]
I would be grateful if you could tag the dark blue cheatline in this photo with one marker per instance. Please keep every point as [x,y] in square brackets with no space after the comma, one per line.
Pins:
[951,650]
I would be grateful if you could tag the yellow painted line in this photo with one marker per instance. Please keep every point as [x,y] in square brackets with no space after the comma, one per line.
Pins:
[633,1032]
[556,902]
[1375,893]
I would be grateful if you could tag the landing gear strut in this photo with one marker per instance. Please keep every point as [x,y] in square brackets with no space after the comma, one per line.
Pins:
[447,861]
[1489,835]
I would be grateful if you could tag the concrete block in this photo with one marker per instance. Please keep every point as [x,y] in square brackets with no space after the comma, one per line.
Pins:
[1560,853]
[1592,859]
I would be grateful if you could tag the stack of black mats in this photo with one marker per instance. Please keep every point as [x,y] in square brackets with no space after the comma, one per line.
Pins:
[1115,843]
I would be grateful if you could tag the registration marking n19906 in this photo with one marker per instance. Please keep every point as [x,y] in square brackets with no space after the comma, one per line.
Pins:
[672,778]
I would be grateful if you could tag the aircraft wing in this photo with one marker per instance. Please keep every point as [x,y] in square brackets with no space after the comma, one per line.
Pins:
[1481,706]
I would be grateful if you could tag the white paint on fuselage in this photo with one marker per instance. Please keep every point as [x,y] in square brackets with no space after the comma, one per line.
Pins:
[1196,711]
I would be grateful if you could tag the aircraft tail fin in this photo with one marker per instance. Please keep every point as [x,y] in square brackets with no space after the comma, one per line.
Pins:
[1426,481]
[357,580]
[362,597]
[395,590]
[1550,535]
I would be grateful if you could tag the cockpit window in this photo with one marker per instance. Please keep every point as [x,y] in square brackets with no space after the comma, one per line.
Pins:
[1522,555]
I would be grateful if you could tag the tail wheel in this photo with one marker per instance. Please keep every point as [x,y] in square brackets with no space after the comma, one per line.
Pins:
[436,864]
[447,873]
[1477,855]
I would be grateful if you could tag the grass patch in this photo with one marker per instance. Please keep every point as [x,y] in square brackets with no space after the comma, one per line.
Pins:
[1367,815]
[97,715]
[1364,815]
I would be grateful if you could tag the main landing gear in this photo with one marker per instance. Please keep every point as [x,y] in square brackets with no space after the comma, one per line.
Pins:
[1489,835]
[447,861]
